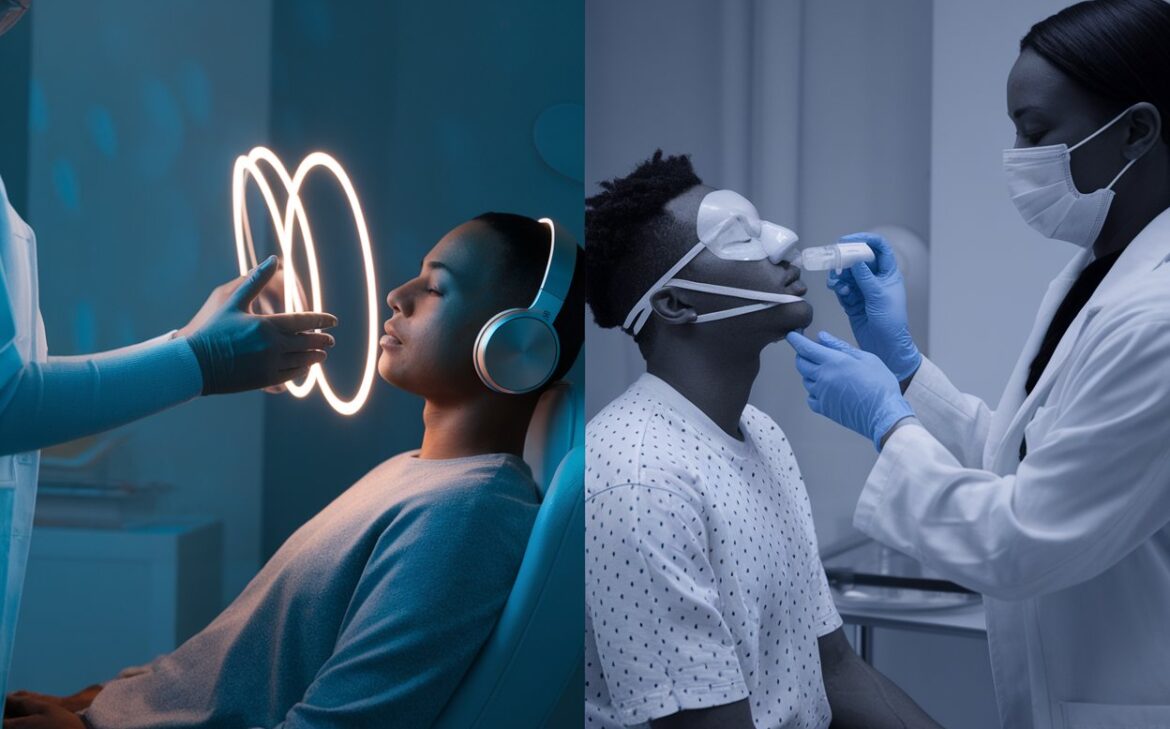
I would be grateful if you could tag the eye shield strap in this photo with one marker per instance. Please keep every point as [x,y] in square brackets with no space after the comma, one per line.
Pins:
[640,313]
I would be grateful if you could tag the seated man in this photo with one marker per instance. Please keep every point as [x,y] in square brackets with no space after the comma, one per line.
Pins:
[372,612]
[706,601]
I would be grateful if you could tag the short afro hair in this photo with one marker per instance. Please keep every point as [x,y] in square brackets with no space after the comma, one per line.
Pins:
[623,225]
[527,250]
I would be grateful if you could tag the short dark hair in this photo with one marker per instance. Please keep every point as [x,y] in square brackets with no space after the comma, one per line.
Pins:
[1117,49]
[527,250]
[623,250]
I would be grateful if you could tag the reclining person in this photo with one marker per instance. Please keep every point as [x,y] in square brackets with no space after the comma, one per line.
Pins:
[706,601]
[373,611]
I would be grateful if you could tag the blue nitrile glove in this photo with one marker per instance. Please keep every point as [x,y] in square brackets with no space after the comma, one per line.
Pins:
[238,350]
[873,295]
[849,386]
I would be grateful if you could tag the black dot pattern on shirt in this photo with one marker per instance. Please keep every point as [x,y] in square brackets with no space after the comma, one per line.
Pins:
[703,583]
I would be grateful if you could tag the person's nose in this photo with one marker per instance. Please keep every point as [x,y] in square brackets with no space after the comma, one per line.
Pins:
[779,269]
[398,300]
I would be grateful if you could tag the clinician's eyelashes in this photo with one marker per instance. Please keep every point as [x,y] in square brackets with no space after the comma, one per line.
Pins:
[1032,138]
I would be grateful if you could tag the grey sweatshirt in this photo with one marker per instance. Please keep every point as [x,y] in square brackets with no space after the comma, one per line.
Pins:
[368,616]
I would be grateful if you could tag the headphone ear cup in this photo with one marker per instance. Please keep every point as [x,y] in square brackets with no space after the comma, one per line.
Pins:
[516,352]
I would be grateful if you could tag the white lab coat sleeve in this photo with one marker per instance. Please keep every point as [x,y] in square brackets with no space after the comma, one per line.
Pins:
[959,421]
[1094,485]
[129,349]
[45,403]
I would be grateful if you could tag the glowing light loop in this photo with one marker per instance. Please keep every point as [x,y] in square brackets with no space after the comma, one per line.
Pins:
[287,222]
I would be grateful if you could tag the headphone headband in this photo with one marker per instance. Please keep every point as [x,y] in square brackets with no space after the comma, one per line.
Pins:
[558,274]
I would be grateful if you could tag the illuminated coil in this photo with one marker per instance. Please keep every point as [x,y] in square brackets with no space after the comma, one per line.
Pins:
[286,222]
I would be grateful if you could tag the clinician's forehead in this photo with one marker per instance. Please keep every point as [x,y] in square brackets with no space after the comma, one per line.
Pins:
[1036,88]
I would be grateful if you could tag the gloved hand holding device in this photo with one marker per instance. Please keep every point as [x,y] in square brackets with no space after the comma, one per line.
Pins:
[874,298]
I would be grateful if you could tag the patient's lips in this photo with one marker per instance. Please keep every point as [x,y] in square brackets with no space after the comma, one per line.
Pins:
[391,339]
[792,283]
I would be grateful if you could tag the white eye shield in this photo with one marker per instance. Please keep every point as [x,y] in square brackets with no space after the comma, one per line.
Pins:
[730,227]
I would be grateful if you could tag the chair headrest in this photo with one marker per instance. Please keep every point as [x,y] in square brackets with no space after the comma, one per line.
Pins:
[557,425]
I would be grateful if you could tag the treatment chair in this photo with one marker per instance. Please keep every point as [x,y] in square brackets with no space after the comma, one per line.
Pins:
[529,674]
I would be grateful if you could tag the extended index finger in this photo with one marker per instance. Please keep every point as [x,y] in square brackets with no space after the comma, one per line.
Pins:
[254,282]
[302,321]
[807,348]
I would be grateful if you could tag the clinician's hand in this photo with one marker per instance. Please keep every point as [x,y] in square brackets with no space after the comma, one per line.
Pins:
[874,298]
[238,350]
[28,713]
[269,301]
[77,702]
[849,386]
[271,298]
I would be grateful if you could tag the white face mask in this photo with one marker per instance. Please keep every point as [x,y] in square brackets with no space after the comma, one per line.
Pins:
[1041,185]
[729,226]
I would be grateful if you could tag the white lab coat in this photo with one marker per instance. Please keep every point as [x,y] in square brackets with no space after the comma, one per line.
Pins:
[65,399]
[1071,547]
[22,340]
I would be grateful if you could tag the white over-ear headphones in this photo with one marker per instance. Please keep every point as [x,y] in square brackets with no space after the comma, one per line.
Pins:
[517,350]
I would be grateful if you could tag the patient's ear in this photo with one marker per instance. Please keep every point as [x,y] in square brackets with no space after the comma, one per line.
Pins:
[672,306]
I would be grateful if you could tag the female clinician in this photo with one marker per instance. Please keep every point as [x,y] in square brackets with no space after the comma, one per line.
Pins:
[1055,505]
[46,400]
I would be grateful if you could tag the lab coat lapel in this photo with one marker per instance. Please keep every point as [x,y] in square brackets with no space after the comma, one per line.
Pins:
[1146,252]
[1012,400]
[1150,249]
[1008,457]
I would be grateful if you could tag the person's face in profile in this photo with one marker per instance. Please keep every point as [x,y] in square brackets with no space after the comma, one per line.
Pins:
[761,327]
[1047,107]
[436,316]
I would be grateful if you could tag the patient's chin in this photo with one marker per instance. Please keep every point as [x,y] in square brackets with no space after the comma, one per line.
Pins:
[800,315]
[399,374]
[793,317]
[387,370]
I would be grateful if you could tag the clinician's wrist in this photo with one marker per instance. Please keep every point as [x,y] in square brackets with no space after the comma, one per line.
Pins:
[908,361]
[906,420]
[205,356]
[904,383]
[894,415]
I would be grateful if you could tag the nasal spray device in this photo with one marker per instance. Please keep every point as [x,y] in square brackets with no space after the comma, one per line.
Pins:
[838,256]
